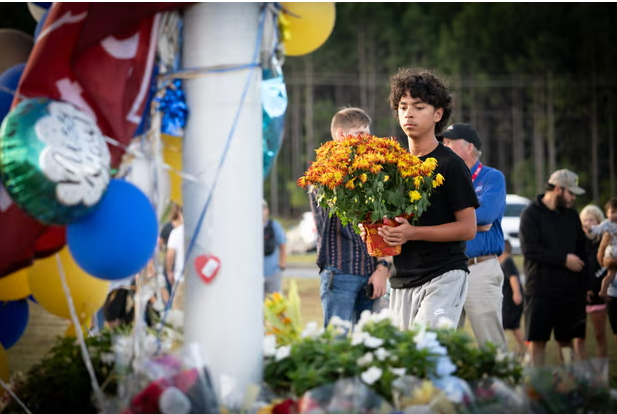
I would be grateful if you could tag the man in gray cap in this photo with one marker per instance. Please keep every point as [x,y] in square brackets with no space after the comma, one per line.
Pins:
[553,245]
[483,305]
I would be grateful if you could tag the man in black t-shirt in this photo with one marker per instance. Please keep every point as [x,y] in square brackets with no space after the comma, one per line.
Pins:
[431,271]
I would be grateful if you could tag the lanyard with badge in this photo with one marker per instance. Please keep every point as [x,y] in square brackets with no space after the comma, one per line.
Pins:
[476,172]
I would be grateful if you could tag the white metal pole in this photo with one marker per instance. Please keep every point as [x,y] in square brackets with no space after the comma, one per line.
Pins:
[225,316]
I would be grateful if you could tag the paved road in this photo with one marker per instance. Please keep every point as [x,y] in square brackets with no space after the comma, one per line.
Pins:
[308,271]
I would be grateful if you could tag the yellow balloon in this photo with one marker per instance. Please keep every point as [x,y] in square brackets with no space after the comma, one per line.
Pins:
[88,292]
[309,26]
[4,367]
[172,155]
[14,286]
[71,332]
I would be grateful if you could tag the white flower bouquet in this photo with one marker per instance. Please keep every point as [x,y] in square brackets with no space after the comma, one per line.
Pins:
[382,356]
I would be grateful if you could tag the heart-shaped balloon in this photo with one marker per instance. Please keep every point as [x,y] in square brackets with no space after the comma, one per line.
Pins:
[207,266]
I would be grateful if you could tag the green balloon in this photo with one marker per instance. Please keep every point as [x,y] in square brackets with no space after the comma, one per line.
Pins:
[54,162]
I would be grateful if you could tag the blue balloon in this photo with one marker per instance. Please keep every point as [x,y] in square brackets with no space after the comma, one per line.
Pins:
[10,80]
[119,237]
[13,321]
[39,25]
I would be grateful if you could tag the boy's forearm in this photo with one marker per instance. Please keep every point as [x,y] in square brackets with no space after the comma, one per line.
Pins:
[455,231]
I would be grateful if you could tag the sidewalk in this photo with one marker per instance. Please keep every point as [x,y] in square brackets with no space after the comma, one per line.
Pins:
[301,270]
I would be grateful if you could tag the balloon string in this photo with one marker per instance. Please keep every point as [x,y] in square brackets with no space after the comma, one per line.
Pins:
[80,336]
[192,73]
[139,154]
[12,394]
[215,180]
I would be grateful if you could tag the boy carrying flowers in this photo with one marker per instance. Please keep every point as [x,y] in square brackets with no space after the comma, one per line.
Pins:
[431,271]
[358,177]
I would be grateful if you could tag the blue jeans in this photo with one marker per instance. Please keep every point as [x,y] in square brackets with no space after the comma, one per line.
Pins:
[343,295]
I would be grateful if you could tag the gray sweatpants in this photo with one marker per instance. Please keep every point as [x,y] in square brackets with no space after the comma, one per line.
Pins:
[442,296]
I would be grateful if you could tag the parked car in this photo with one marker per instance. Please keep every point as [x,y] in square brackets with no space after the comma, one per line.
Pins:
[515,204]
[302,238]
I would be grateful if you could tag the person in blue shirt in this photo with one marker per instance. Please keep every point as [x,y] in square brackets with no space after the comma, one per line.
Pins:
[275,255]
[483,305]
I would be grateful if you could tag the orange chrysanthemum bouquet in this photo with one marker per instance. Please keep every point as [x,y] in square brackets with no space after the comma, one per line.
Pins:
[363,179]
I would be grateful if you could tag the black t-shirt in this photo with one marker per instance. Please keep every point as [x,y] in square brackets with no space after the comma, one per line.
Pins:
[421,261]
[165,232]
[509,269]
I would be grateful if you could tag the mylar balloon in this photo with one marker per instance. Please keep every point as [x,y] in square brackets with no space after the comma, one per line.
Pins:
[14,286]
[309,26]
[13,321]
[274,106]
[54,161]
[119,237]
[88,292]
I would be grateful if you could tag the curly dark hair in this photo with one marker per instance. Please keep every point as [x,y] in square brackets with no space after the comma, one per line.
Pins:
[422,84]
[611,204]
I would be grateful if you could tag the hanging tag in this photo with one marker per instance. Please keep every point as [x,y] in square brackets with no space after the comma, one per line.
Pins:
[207,266]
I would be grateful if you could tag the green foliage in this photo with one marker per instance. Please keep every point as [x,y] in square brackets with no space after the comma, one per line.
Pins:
[59,383]
[320,358]
[474,363]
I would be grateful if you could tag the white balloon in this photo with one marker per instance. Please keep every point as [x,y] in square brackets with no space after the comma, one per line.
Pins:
[37,12]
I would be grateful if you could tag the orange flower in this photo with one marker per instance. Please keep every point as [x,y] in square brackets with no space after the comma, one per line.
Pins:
[364,176]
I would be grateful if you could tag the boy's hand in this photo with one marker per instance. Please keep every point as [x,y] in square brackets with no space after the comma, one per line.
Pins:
[397,236]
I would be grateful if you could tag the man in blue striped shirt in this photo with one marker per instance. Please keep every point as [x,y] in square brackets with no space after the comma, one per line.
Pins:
[343,260]
[484,298]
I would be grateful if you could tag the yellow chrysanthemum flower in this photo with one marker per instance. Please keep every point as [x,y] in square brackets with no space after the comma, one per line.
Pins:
[414,195]
[417,182]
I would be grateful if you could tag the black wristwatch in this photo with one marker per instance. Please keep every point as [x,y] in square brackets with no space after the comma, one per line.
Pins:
[385,263]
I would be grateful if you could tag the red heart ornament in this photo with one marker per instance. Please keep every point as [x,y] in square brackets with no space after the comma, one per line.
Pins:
[207,266]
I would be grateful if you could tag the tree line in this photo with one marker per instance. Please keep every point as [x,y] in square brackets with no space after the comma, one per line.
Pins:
[537,80]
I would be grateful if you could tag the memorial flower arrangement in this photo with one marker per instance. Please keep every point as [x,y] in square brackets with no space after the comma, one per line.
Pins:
[439,362]
[363,179]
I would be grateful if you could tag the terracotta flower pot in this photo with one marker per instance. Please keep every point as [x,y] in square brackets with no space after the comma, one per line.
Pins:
[375,244]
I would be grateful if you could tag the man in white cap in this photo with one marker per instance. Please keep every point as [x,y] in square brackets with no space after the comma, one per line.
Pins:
[553,245]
